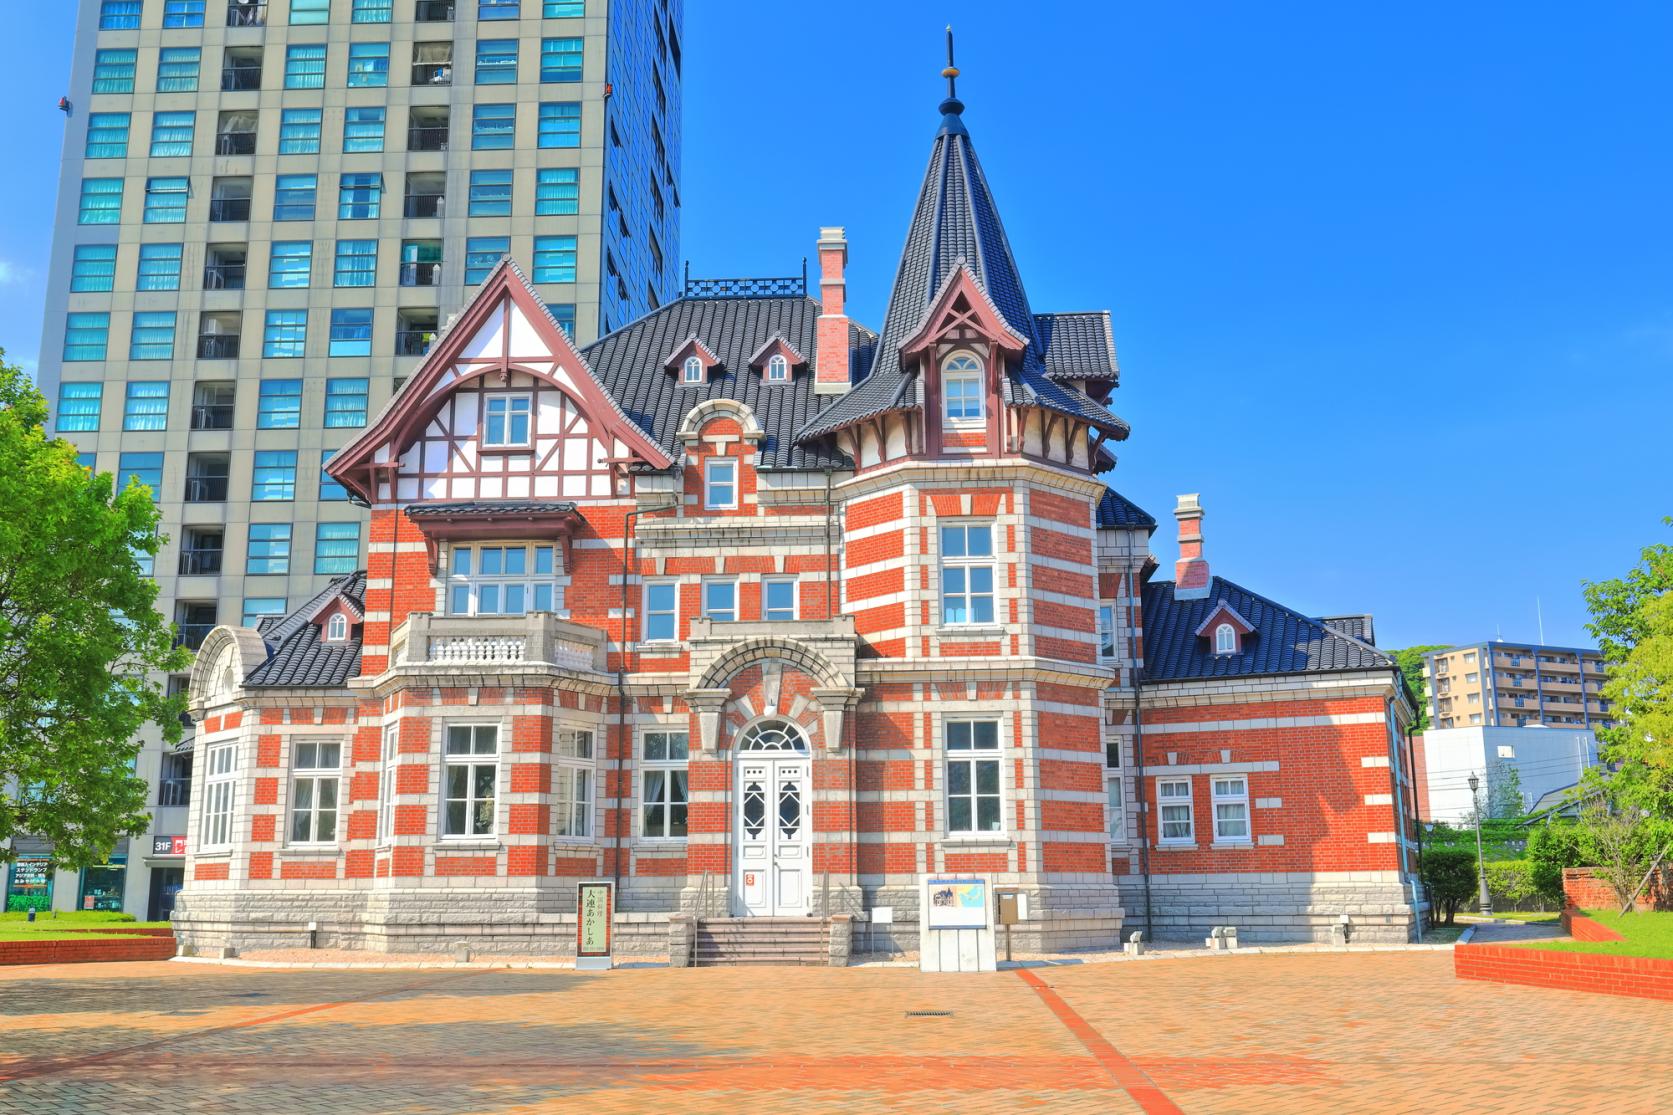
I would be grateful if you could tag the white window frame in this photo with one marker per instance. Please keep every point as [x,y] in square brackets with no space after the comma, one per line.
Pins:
[778,369]
[1165,802]
[662,764]
[575,783]
[470,760]
[967,565]
[1115,806]
[672,612]
[767,613]
[964,369]
[718,582]
[310,779]
[1231,791]
[692,370]
[974,757]
[1105,632]
[467,584]
[710,482]
[507,417]
[220,783]
[1225,639]
[337,628]
[386,783]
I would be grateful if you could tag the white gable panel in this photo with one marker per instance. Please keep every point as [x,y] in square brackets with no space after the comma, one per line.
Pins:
[562,376]
[406,490]
[493,487]
[517,487]
[545,487]
[435,457]
[489,340]
[575,485]
[526,340]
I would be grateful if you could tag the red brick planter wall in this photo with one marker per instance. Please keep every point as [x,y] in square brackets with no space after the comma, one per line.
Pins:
[1583,928]
[1583,890]
[1633,976]
[138,945]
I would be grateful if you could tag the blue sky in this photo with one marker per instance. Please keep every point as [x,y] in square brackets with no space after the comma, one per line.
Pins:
[1393,288]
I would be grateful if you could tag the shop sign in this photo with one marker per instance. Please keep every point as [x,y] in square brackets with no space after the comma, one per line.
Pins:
[168,845]
[594,909]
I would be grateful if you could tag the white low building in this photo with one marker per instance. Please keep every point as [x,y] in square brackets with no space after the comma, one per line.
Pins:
[1543,758]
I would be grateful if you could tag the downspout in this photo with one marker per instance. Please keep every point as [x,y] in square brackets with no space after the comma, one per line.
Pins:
[622,742]
[830,551]
[1144,799]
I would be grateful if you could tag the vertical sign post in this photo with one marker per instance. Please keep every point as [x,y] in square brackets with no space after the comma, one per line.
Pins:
[595,910]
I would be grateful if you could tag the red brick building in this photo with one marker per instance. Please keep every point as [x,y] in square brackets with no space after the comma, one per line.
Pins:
[761,612]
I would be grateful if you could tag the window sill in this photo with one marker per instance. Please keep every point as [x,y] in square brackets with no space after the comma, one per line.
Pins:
[466,843]
[970,630]
[663,843]
[505,448]
[1232,844]
[1180,846]
[311,850]
[968,839]
[213,853]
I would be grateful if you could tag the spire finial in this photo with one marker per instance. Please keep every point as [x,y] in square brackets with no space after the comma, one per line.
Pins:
[952,106]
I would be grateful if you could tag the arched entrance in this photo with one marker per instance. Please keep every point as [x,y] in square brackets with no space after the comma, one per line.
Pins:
[773,866]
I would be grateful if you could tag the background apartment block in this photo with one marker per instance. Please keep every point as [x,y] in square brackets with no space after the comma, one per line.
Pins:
[1515,685]
[267,212]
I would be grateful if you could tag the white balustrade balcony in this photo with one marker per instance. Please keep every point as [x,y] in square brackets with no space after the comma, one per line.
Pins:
[538,639]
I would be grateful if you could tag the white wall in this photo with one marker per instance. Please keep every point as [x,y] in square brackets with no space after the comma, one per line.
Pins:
[1545,759]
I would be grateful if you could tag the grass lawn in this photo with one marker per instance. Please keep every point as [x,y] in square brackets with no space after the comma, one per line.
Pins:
[67,925]
[1443,934]
[1646,934]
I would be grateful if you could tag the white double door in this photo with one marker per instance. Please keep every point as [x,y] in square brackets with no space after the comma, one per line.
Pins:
[773,869]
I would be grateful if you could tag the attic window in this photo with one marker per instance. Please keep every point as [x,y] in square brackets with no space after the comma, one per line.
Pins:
[778,369]
[961,390]
[1225,639]
[692,370]
[337,628]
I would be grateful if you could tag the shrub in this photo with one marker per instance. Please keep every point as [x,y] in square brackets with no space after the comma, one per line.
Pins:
[1512,880]
[1449,875]
[27,902]
[1552,847]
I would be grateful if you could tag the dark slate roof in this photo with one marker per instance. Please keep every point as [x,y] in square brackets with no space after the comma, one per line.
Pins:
[629,364]
[1356,627]
[1285,641]
[297,656]
[491,507]
[1116,510]
[957,223]
[1078,346]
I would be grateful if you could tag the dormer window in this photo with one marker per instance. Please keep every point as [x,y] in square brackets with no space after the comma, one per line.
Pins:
[1225,639]
[961,390]
[778,370]
[507,421]
[337,628]
[692,370]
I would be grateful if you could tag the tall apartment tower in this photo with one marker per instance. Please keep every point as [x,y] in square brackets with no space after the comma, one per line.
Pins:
[267,212]
[1516,685]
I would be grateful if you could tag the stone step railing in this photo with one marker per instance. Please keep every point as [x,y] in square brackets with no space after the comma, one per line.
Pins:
[536,639]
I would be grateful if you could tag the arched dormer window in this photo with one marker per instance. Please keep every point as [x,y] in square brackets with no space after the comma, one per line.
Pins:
[337,628]
[778,369]
[692,370]
[1225,639]
[961,390]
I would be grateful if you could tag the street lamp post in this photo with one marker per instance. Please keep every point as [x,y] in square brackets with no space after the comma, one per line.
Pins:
[1480,860]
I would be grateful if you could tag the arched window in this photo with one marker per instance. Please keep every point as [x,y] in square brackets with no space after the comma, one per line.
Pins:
[693,372]
[774,734]
[778,369]
[961,390]
[337,628]
[1225,639]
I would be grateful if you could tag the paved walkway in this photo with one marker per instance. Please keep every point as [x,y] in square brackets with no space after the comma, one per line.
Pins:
[1292,1033]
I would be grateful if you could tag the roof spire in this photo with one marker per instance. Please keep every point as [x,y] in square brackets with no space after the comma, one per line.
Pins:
[952,106]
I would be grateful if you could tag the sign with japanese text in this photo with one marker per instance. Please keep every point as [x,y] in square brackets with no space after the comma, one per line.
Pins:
[594,910]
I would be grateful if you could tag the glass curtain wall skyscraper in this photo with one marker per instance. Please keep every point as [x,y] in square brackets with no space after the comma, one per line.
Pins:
[268,210]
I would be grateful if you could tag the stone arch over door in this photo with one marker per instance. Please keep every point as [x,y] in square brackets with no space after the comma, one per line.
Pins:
[749,680]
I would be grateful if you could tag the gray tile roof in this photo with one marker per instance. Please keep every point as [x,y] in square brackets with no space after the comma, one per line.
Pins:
[629,363]
[1116,510]
[1355,627]
[1078,346]
[1285,641]
[297,656]
[957,223]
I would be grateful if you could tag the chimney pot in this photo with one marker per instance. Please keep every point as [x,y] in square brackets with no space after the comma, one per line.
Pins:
[1190,572]
[831,357]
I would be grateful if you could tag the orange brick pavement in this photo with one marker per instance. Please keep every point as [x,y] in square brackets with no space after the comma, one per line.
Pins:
[1357,1032]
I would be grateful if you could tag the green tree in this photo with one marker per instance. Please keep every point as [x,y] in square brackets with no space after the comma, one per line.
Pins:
[1449,875]
[80,640]
[1410,661]
[1632,618]
[1505,799]
[1553,846]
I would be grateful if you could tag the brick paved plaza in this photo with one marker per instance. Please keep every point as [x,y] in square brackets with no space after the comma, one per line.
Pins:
[1292,1033]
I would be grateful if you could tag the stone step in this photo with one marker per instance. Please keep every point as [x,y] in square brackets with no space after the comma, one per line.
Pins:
[760,962]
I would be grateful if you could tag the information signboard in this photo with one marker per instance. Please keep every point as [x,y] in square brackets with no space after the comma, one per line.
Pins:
[595,907]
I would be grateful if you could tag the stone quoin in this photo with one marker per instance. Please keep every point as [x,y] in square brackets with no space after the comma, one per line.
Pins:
[759,612]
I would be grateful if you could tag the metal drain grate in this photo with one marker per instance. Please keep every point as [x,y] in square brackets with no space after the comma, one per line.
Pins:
[929,1014]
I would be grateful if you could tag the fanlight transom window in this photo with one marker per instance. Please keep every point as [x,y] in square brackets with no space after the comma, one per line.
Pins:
[1225,639]
[773,735]
[778,368]
[693,370]
[961,388]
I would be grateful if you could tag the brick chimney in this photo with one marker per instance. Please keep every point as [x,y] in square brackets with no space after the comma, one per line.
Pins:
[1190,572]
[830,359]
